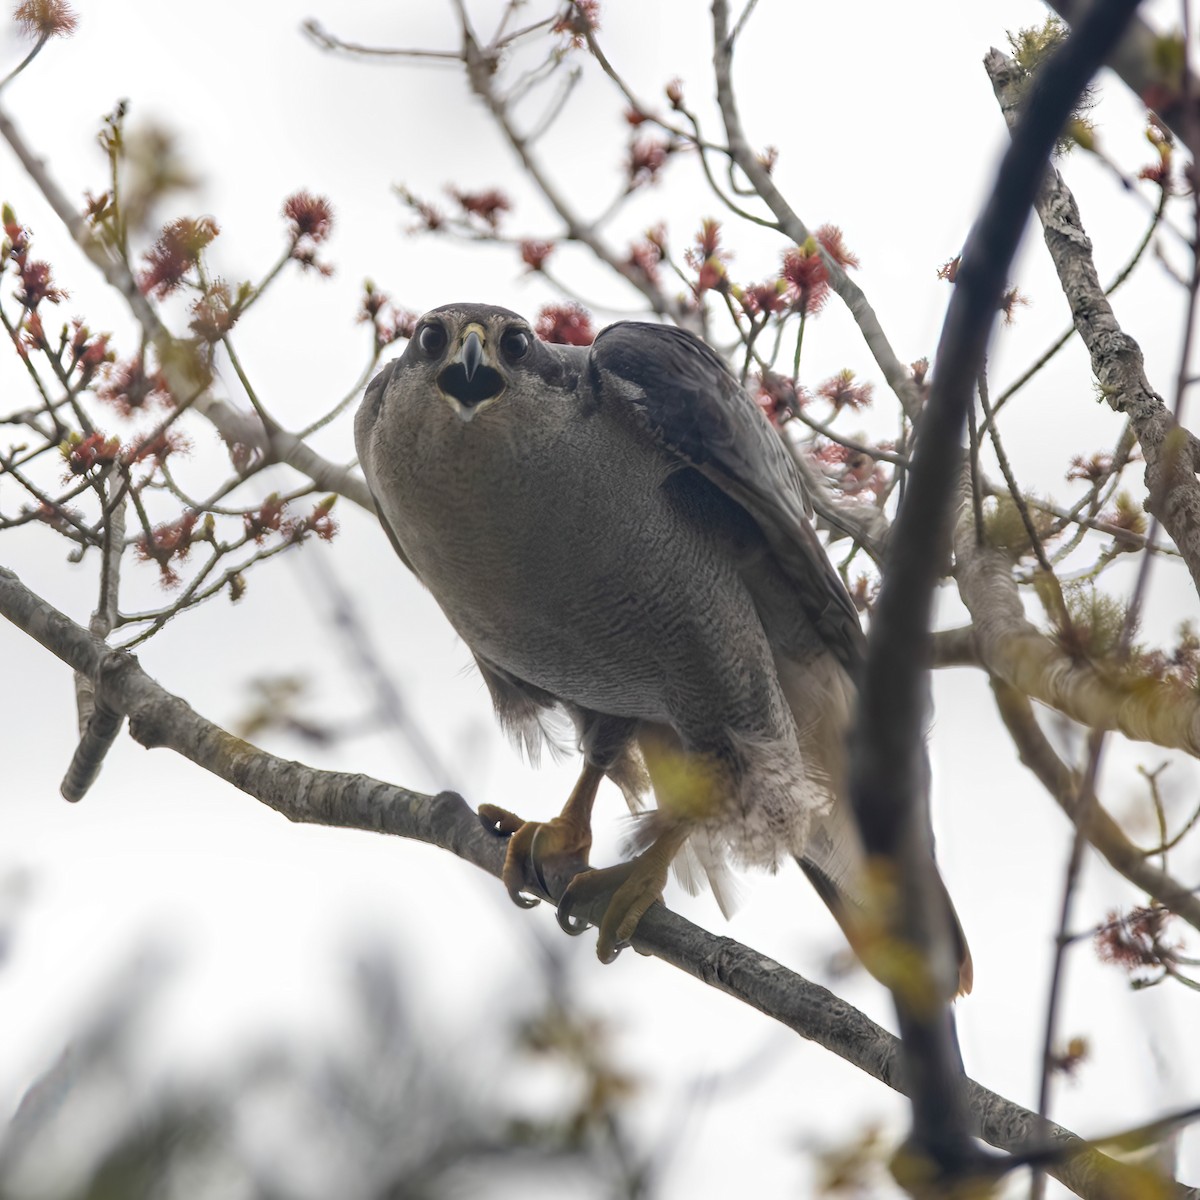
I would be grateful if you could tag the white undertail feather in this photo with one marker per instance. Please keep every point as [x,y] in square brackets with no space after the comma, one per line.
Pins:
[822,699]
[790,801]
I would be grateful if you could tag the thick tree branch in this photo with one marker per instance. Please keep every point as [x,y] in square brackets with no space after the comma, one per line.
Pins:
[157,718]
[1013,650]
[1171,464]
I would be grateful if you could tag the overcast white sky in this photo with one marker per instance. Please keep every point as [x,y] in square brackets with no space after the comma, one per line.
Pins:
[886,126]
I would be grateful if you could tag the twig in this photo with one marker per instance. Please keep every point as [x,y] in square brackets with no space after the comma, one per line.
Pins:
[898,377]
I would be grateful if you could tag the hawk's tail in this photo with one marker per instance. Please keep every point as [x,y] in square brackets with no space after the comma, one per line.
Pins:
[849,912]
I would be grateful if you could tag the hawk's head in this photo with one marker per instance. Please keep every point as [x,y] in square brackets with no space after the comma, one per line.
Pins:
[471,353]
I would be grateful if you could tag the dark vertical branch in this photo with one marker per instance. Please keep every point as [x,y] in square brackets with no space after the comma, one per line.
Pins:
[887,776]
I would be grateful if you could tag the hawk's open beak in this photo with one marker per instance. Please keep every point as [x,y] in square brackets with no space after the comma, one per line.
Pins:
[471,380]
[472,353]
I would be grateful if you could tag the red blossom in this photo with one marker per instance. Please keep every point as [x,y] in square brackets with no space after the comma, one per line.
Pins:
[566,324]
[57,516]
[130,388]
[708,259]
[36,285]
[1010,302]
[87,353]
[33,337]
[390,322]
[581,17]
[644,256]
[306,255]
[318,521]
[1134,940]
[157,447]
[16,237]
[852,472]
[431,218]
[395,324]
[635,117]
[1158,173]
[807,278]
[831,454]
[268,518]
[46,18]
[176,252]
[764,298]
[646,158]
[166,542]
[83,454]
[708,240]
[489,206]
[309,216]
[1161,139]
[830,237]
[214,313]
[779,397]
[534,254]
[674,92]
[842,392]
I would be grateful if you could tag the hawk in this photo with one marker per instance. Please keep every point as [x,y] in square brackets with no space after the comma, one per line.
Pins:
[615,531]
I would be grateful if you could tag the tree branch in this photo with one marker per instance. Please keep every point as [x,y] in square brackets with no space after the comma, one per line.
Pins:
[158,718]
[1013,650]
[897,374]
[1171,463]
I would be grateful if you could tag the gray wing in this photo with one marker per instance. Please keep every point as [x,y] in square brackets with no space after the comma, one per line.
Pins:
[689,401]
[367,413]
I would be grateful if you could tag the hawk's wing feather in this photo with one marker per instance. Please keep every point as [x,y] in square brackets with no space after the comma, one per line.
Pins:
[372,399]
[691,404]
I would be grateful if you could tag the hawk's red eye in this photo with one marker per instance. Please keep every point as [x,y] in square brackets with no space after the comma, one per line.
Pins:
[432,339]
[515,344]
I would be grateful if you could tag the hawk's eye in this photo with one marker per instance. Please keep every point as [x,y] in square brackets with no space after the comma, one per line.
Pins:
[432,339]
[515,344]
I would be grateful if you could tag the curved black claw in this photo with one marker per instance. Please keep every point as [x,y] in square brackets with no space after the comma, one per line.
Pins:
[591,885]
[498,821]
[567,921]
[521,900]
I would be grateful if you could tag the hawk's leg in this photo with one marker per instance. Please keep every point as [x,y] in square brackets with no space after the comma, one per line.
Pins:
[560,844]
[631,888]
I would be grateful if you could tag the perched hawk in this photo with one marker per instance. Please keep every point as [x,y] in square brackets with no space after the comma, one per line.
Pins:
[616,531]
